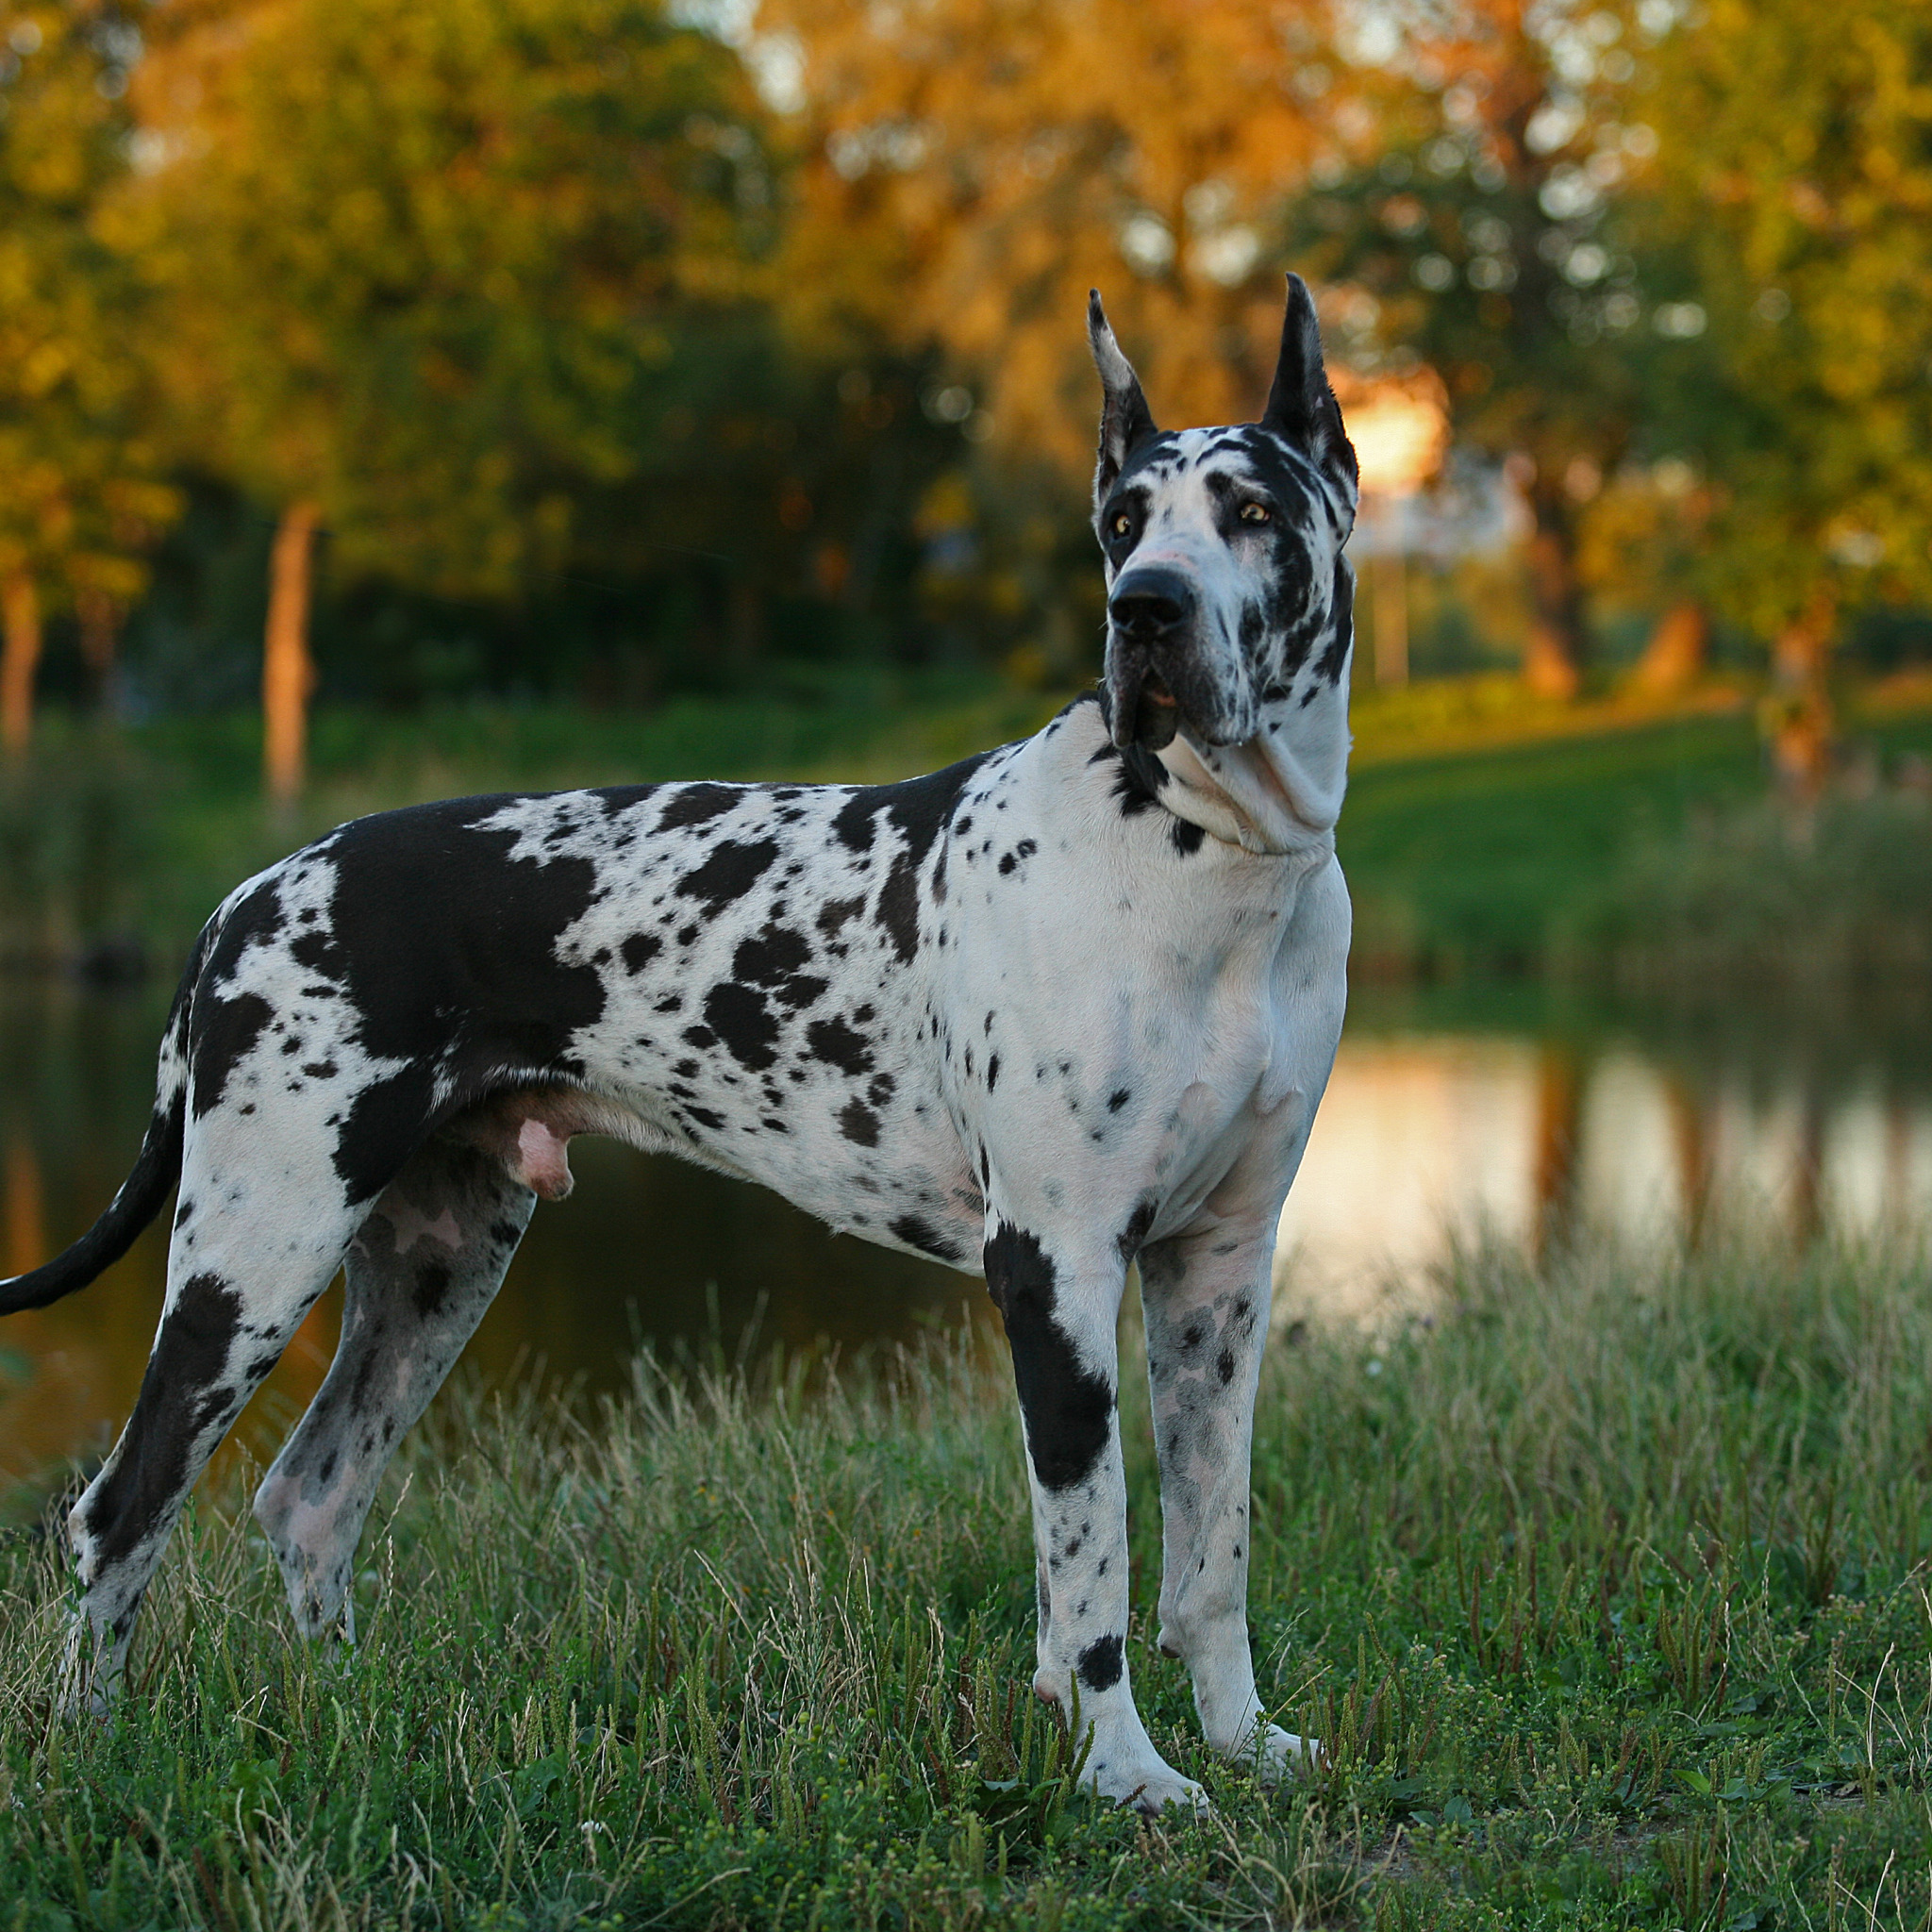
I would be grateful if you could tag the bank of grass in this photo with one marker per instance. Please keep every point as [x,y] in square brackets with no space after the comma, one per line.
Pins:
[1605,1590]
[1483,832]
[134,833]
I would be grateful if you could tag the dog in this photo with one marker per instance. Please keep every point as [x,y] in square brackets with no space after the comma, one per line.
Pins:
[1061,1007]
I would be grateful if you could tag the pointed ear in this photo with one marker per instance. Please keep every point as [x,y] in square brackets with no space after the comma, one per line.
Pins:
[1124,420]
[1301,407]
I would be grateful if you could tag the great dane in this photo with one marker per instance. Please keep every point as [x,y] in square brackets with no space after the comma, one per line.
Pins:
[1061,1007]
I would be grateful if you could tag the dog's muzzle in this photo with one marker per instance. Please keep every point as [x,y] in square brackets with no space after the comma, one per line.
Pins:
[1152,612]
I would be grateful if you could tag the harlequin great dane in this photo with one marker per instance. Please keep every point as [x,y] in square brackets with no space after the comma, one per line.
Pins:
[1059,1007]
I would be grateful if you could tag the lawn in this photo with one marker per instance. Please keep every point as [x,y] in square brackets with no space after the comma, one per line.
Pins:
[1604,1587]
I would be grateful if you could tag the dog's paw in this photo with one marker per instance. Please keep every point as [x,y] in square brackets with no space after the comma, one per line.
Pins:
[1150,1786]
[1279,1755]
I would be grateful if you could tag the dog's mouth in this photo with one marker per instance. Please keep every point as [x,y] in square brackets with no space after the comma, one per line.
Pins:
[1145,711]
[1153,695]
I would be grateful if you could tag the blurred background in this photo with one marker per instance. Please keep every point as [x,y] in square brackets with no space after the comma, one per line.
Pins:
[401,401]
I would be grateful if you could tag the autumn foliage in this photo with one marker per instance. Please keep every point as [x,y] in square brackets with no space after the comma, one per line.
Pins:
[771,320]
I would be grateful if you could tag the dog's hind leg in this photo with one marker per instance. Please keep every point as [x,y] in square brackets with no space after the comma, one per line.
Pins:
[235,1298]
[1206,1299]
[421,1271]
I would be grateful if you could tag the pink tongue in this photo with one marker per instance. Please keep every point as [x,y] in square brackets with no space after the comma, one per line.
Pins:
[541,1164]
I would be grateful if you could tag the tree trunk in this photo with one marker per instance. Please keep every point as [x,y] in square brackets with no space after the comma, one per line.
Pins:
[1674,658]
[99,622]
[1389,604]
[1553,664]
[1799,719]
[1559,1132]
[288,677]
[20,652]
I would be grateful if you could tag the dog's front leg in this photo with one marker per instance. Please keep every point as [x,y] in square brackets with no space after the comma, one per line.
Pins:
[1207,1300]
[1060,1308]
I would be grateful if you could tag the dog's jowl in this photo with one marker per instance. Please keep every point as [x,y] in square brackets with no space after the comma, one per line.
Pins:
[1061,1007]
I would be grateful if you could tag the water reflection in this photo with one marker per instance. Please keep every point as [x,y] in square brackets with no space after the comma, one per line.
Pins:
[1485,1116]
[1427,1139]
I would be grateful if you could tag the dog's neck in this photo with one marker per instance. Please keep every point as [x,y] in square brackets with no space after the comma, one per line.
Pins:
[1279,794]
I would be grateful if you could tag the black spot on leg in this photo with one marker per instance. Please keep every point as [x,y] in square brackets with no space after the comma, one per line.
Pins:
[859,1124]
[1224,1368]
[1100,1663]
[224,1033]
[183,1392]
[1068,1410]
[432,1287]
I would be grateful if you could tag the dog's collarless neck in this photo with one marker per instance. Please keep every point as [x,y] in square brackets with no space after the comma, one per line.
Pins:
[1242,796]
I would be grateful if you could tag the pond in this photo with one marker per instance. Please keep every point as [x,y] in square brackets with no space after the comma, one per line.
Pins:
[1507,1113]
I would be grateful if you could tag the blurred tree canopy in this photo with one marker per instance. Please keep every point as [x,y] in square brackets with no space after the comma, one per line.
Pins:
[1493,235]
[1794,172]
[82,485]
[604,345]
[427,269]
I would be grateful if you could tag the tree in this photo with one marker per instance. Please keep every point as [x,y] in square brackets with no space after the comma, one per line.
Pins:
[431,320]
[81,490]
[1499,241]
[1794,167]
[969,169]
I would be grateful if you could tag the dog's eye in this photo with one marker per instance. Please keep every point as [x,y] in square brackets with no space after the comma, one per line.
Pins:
[1255,513]
[1122,524]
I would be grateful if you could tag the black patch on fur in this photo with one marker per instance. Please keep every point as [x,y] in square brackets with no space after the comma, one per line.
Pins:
[859,1124]
[1130,1238]
[224,1033]
[431,1286]
[692,804]
[1101,1664]
[444,949]
[772,959]
[1068,1411]
[729,872]
[640,950]
[1341,635]
[837,1045]
[917,1232]
[743,1022]
[899,907]
[1136,784]
[917,806]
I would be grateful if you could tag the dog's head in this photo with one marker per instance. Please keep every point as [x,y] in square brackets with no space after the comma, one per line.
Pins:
[1230,605]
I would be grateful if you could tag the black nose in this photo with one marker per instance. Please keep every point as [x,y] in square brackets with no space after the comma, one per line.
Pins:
[1148,603]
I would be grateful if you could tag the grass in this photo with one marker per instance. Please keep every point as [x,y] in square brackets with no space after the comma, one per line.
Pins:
[1606,1588]
[1483,832]
[139,831]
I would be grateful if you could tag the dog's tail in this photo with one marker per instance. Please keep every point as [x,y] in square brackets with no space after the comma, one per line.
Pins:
[156,1168]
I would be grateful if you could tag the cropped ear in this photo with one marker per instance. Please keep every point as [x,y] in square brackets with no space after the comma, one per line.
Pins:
[1126,422]
[1301,407]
